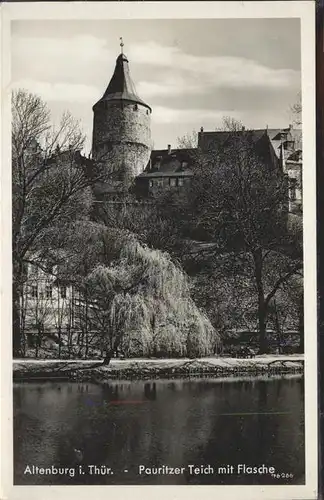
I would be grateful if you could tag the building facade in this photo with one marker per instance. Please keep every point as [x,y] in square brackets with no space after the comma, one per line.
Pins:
[167,169]
[174,168]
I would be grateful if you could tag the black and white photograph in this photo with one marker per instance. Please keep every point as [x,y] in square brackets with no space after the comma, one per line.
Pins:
[162,295]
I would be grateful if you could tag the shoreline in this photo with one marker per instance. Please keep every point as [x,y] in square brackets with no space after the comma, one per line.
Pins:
[142,369]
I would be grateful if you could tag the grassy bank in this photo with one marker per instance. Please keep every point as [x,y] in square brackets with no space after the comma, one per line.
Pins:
[31,369]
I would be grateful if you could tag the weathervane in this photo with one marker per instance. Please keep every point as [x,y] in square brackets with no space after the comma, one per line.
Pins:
[121,44]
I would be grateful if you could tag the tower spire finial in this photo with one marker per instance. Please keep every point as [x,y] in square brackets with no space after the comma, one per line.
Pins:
[121,45]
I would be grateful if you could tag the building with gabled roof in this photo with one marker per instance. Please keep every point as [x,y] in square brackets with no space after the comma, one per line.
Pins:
[173,168]
[123,155]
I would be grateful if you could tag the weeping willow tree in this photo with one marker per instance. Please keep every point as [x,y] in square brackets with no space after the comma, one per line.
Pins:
[141,303]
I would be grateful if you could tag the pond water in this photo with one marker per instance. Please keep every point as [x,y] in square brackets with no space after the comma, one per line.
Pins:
[134,427]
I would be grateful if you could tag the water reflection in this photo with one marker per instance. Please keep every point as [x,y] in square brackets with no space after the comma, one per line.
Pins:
[176,423]
[150,391]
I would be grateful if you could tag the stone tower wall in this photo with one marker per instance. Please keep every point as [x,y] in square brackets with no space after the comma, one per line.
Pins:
[122,137]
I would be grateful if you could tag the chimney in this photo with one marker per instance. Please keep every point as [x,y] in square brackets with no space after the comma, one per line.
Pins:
[169,149]
[243,129]
[201,129]
[291,126]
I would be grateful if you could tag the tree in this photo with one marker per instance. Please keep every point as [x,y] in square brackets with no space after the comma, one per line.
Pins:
[188,141]
[231,124]
[49,186]
[86,245]
[238,200]
[296,110]
[142,303]
[39,311]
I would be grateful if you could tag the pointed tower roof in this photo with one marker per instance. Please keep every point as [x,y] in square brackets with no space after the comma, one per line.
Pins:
[121,86]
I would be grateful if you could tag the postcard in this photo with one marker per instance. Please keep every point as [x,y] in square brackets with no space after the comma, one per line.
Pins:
[159,250]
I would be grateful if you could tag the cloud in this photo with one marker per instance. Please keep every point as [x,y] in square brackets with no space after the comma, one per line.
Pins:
[217,71]
[65,92]
[169,87]
[164,115]
[71,59]
[154,54]
[72,71]
[85,47]
[163,70]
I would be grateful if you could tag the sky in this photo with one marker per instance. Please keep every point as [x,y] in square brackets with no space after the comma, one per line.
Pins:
[192,73]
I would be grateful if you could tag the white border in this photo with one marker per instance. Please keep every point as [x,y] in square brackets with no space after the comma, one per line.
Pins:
[305,10]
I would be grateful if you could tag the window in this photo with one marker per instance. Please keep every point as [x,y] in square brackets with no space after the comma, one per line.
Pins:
[173,181]
[157,163]
[180,181]
[151,183]
[184,164]
[63,292]
[34,292]
[135,107]
[292,189]
[48,291]
[159,182]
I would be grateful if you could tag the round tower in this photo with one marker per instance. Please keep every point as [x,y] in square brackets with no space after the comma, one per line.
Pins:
[121,144]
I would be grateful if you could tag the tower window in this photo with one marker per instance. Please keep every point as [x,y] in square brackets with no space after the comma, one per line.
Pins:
[63,292]
[34,291]
[49,291]
[147,111]
[135,107]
